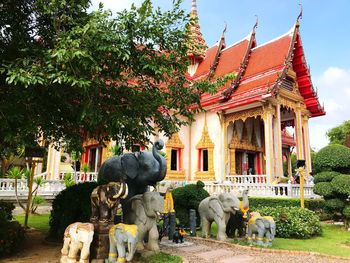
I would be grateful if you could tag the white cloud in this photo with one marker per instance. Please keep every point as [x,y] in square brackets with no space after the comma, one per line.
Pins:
[334,90]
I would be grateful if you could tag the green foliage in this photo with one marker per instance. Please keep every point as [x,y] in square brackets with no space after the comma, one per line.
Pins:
[340,133]
[335,204]
[333,158]
[324,189]
[325,176]
[161,257]
[341,184]
[186,198]
[83,63]
[116,150]
[70,205]
[11,232]
[346,211]
[38,221]
[293,222]
[15,172]
[68,180]
[11,237]
[85,168]
[6,211]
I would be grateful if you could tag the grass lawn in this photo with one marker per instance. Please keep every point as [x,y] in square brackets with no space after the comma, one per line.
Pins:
[161,258]
[39,222]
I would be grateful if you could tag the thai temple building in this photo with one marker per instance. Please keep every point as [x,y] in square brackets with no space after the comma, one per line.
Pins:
[246,126]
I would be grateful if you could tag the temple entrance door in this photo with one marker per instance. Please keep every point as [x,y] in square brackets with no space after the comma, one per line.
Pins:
[239,162]
[251,163]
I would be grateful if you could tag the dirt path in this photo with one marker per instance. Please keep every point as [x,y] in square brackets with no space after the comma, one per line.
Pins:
[36,250]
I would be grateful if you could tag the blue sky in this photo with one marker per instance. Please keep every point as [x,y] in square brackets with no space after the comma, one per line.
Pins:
[325,29]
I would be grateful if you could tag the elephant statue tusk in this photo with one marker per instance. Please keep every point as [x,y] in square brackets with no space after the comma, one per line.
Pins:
[119,193]
[126,192]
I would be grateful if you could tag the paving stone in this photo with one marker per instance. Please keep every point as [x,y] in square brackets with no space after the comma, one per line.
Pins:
[214,254]
[237,259]
[194,248]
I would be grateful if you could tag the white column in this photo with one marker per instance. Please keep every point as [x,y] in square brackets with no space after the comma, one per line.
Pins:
[307,145]
[278,142]
[299,134]
[268,144]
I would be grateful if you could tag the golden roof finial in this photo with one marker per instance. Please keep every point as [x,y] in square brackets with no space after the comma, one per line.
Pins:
[197,45]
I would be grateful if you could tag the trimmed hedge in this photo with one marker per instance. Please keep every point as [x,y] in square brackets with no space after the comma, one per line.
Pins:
[341,184]
[325,176]
[335,204]
[11,232]
[324,189]
[333,158]
[6,211]
[293,222]
[186,198]
[70,205]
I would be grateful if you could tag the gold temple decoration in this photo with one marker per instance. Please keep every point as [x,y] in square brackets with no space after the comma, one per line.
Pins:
[252,113]
[205,143]
[174,143]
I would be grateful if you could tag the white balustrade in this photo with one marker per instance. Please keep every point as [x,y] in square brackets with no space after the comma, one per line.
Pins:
[243,179]
[81,176]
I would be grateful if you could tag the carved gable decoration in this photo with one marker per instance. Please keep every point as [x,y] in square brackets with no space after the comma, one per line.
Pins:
[175,142]
[205,141]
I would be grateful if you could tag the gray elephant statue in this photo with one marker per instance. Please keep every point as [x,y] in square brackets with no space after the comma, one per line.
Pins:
[145,212]
[121,236]
[76,243]
[104,200]
[138,170]
[261,230]
[239,220]
[218,209]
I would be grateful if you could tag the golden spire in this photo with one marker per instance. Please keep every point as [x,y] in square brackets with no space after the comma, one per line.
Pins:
[197,45]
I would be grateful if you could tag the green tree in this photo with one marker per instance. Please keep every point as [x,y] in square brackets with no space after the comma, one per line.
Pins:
[340,133]
[92,75]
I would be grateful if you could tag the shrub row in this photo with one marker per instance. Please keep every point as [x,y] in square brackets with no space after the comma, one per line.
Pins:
[293,222]
[70,205]
[11,232]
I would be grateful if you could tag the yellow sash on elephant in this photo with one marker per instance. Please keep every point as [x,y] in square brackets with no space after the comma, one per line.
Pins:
[168,203]
[132,229]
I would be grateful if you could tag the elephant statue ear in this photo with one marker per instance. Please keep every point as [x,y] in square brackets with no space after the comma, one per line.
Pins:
[139,210]
[215,205]
[130,165]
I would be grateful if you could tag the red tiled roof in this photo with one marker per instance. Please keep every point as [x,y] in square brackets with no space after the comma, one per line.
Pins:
[231,58]
[208,61]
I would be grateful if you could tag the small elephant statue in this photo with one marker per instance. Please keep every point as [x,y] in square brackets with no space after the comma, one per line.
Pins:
[77,238]
[104,199]
[145,211]
[122,235]
[263,228]
[218,209]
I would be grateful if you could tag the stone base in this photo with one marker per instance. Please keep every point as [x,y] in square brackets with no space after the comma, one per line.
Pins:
[100,245]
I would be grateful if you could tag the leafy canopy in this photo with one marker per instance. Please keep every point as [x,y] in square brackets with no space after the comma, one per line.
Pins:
[340,133]
[77,74]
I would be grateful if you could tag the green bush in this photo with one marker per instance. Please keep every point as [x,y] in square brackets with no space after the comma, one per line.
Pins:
[293,222]
[324,189]
[335,204]
[346,211]
[70,205]
[341,184]
[325,176]
[186,198]
[11,237]
[333,158]
[6,211]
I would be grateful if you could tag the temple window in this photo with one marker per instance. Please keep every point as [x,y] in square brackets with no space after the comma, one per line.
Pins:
[174,153]
[205,149]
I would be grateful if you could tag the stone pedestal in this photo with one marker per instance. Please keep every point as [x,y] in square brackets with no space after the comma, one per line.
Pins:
[100,245]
